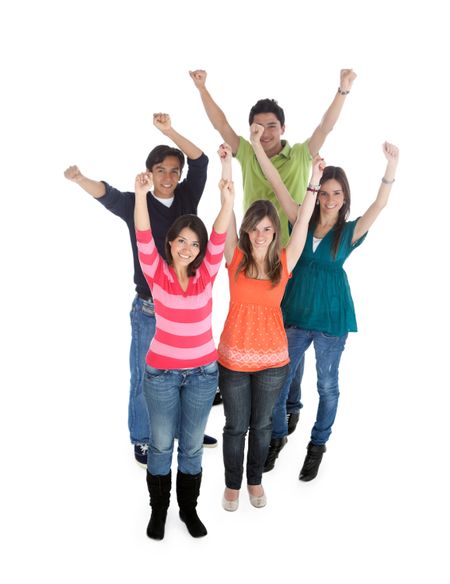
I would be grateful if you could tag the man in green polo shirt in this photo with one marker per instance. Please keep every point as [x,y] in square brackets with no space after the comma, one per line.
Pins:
[292,162]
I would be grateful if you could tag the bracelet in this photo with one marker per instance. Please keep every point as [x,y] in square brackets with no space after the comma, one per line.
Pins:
[343,92]
[314,186]
[312,190]
[387,182]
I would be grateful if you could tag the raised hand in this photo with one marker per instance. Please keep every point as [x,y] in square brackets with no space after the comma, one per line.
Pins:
[391,152]
[143,183]
[73,173]
[226,191]
[256,131]
[198,77]
[162,122]
[225,153]
[347,78]
[318,166]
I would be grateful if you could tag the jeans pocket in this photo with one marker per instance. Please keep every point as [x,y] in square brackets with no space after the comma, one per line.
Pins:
[210,370]
[148,308]
[152,372]
[327,336]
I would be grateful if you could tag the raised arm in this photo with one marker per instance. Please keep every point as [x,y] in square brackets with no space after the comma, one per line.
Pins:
[143,184]
[288,204]
[299,233]
[366,221]
[213,111]
[164,125]
[332,114]
[226,191]
[95,188]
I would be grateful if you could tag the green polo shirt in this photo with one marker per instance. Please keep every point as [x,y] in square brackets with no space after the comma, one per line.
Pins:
[294,165]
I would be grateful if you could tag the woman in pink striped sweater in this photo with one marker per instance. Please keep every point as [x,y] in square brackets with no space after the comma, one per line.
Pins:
[181,369]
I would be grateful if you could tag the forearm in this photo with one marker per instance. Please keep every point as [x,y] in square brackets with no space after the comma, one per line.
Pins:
[185,145]
[327,123]
[213,111]
[141,217]
[223,219]
[279,188]
[95,188]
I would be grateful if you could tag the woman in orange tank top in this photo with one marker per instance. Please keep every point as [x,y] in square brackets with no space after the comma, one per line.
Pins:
[253,350]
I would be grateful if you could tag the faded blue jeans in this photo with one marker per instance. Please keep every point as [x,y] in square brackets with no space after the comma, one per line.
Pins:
[143,325]
[248,400]
[178,403]
[293,403]
[328,352]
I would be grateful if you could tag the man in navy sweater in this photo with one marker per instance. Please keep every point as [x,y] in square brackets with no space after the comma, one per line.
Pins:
[169,199]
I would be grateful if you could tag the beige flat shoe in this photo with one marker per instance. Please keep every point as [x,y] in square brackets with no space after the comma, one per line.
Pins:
[258,501]
[230,505]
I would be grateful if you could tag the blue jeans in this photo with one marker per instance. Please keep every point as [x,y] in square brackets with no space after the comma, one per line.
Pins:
[293,403]
[328,352]
[248,400]
[143,325]
[178,403]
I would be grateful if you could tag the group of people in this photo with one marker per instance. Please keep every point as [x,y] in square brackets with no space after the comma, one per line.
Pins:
[288,289]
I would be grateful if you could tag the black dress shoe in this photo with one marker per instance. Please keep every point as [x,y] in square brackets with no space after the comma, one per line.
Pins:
[276,445]
[312,462]
[292,419]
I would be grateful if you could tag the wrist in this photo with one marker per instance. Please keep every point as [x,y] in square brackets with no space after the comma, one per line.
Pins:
[343,91]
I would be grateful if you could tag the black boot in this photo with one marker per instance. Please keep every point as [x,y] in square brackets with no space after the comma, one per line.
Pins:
[188,490]
[159,489]
[293,418]
[276,445]
[312,462]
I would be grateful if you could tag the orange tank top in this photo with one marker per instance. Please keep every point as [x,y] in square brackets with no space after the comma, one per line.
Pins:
[253,337]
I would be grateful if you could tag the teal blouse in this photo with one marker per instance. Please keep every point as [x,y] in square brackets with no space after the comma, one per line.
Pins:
[318,295]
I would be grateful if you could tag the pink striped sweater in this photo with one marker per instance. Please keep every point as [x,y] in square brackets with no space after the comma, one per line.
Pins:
[183,337]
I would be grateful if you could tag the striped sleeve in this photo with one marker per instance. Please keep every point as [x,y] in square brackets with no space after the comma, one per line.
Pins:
[214,253]
[149,257]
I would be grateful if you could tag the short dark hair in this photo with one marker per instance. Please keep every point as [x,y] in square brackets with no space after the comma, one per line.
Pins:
[160,153]
[267,106]
[198,227]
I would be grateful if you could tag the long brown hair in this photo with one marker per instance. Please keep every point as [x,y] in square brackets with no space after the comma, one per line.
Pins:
[196,225]
[272,262]
[337,173]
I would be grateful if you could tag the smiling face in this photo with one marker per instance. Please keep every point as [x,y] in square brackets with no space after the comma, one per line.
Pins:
[331,197]
[166,175]
[273,130]
[261,235]
[184,248]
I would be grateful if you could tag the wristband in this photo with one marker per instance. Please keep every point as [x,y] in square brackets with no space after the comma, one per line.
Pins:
[387,182]
[343,92]
[312,190]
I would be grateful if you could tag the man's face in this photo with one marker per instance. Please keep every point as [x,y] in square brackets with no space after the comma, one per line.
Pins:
[165,176]
[273,130]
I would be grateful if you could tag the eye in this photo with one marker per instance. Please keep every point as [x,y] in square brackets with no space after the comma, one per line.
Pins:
[180,240]
[195,244]
[267,228]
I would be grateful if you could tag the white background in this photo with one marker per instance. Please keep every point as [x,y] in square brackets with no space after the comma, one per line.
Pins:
[80,81]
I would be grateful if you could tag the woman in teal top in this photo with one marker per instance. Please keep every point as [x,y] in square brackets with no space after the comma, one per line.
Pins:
[318,306]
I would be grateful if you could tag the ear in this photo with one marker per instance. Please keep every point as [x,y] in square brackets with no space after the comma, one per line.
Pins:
[283,129]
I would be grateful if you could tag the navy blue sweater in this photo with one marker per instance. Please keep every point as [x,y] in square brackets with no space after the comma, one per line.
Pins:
[186,198]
